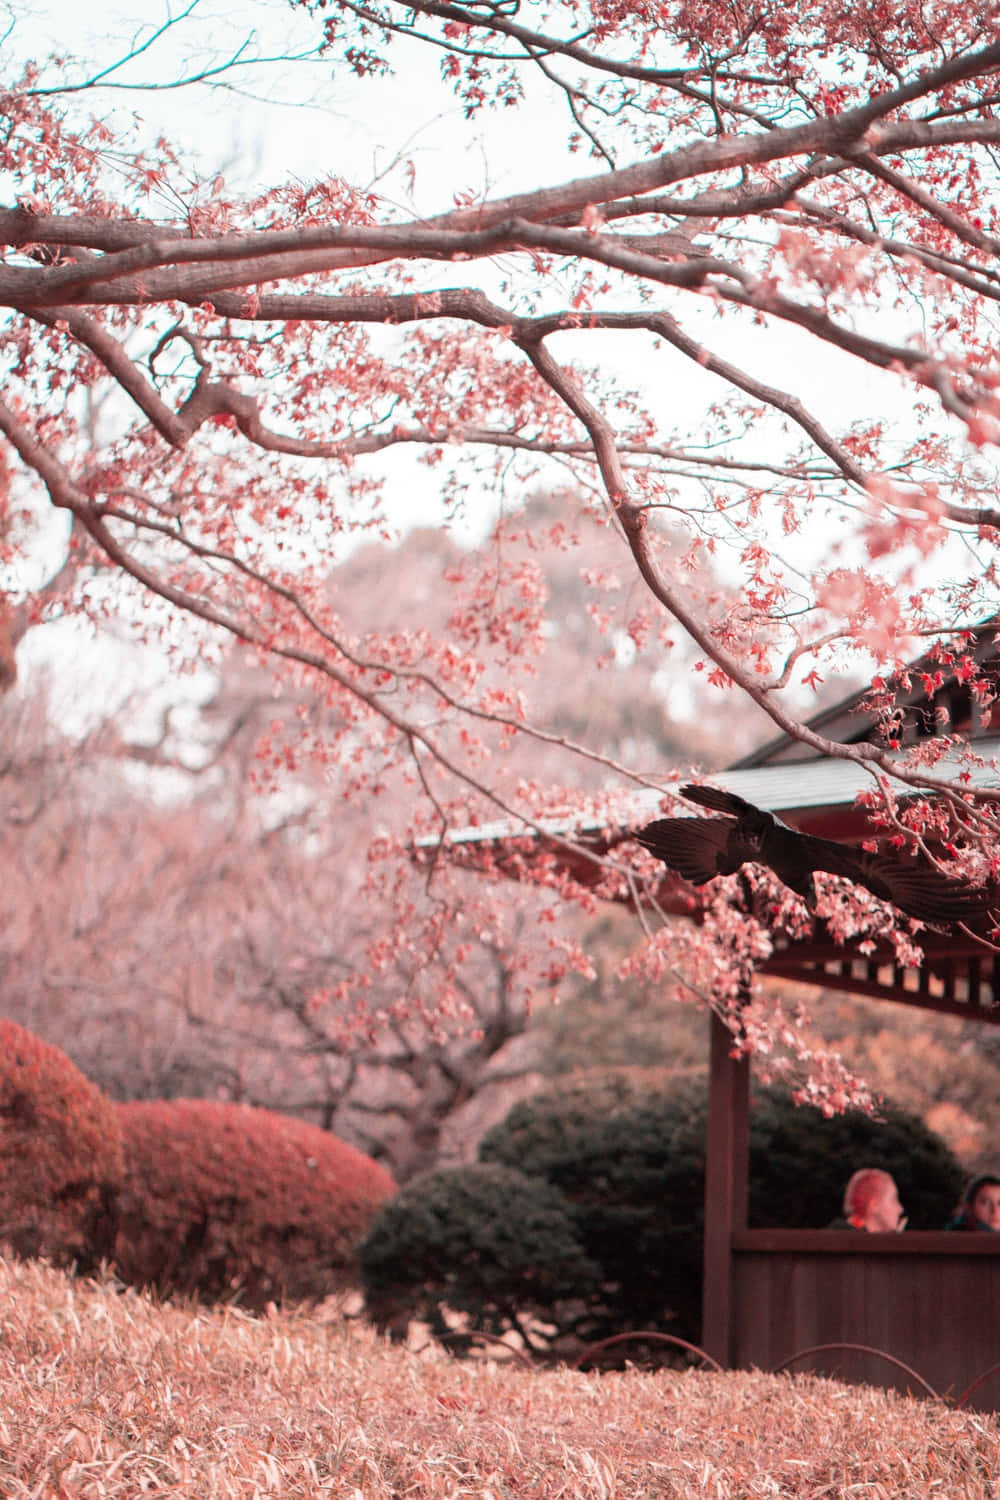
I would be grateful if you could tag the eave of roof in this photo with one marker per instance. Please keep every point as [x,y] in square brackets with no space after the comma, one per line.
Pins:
[790,789]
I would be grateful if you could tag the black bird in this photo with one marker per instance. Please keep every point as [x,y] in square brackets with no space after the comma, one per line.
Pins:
[701,848]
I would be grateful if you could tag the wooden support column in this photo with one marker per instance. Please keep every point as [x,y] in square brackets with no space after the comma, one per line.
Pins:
[726,1186]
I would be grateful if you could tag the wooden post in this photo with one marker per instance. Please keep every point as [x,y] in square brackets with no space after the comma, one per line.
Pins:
[726,1185]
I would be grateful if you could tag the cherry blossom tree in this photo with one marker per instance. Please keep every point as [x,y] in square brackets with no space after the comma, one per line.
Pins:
[761,193]
[150,837]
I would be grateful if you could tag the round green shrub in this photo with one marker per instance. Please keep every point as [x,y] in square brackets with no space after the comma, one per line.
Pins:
[222,1200]
[481,1239]
[61,1161]
[631,1165]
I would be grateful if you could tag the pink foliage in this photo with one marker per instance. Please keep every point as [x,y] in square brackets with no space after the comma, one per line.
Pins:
[821,180]
[221,1199]
[61,1158]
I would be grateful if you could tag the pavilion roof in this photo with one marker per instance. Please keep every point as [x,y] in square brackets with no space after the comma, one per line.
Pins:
[818,794]
[796,790]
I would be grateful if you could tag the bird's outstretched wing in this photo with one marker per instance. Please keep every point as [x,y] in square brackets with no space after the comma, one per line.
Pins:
[694,847]
[717,800]
[919,890]
[909,883]
[701,848]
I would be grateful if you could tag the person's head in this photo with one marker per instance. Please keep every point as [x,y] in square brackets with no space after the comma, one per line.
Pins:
[981,1202]
[871,1201]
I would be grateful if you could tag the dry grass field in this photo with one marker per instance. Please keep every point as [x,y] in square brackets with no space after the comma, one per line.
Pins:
[105,1395]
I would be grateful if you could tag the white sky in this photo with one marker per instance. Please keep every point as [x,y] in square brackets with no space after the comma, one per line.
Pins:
[298,118]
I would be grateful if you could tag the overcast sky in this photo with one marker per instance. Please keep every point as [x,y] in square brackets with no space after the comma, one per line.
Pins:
[300,117]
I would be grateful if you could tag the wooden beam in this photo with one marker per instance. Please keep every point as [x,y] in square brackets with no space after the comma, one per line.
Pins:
[931,987]
[726,1186]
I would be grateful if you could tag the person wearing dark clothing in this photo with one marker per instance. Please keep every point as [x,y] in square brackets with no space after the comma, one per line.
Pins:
[980,1205]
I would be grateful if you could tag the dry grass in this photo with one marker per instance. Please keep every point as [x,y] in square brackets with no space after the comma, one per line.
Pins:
[105,1394]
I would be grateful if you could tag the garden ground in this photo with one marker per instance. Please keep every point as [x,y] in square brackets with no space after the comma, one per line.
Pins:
[107,1393]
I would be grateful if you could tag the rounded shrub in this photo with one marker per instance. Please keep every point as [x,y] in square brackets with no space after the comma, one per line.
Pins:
[61,1161]
[222,1200]
[481,1239]
[631,1165]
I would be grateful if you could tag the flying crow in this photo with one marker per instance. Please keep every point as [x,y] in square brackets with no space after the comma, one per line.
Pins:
[701,848]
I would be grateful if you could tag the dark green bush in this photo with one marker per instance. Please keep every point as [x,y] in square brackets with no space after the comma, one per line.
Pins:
[631,1164]
[60,1155]
[222,1200]
[482,1239]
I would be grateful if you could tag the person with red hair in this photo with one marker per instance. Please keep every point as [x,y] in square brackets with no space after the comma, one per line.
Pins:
[871,1203]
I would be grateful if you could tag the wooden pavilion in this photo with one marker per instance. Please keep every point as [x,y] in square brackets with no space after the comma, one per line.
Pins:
[913,1310]
[928,1299]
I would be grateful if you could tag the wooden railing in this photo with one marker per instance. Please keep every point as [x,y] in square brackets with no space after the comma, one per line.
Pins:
[929,1300]
[958,976]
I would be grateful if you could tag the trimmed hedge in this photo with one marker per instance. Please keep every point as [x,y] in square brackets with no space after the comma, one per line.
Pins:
[61,1161]
[631,1165]
[223,1200]
[484,1239]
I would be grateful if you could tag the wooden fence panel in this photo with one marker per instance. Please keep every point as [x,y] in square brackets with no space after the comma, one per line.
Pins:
[931,1300]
